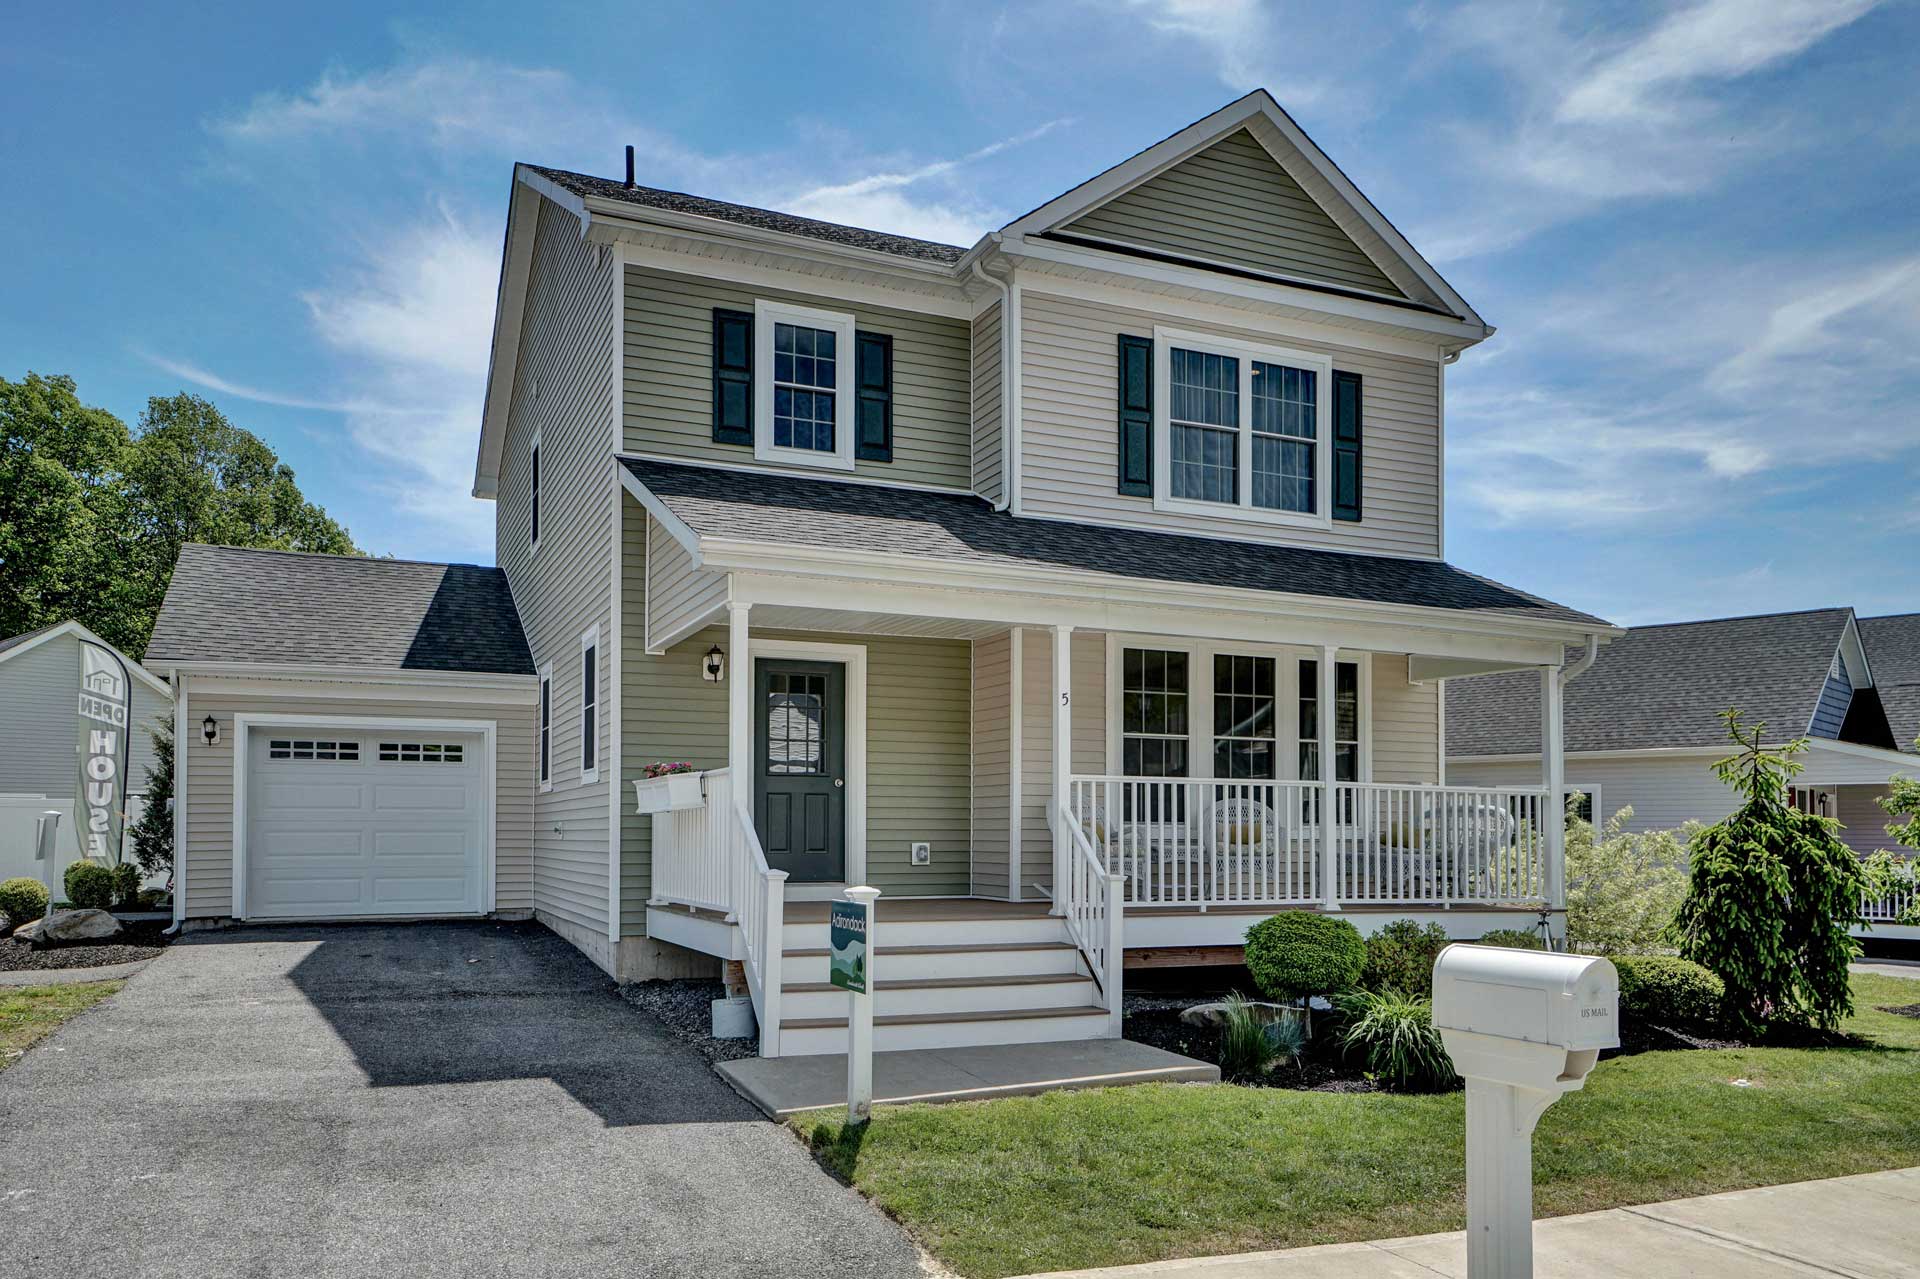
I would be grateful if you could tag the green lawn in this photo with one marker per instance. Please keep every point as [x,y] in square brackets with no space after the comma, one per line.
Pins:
[1123,1175]
[29,1014]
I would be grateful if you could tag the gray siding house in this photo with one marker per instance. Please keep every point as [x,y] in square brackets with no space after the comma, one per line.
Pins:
[39,746]
[1082,589]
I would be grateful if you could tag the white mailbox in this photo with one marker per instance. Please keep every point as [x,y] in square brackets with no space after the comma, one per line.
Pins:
[1522,1027]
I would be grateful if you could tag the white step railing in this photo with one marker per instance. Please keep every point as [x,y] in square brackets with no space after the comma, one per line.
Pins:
[1185,842]
[710,857]
[1092,905]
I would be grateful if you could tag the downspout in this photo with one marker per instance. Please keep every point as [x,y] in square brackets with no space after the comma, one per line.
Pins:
[1009,379]
[1579,668]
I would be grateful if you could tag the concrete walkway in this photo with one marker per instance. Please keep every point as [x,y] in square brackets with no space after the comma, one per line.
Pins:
[785,1085]
[1865,1227]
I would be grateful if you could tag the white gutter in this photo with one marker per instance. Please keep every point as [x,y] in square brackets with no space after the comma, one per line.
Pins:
[1009,379]
[1579,668]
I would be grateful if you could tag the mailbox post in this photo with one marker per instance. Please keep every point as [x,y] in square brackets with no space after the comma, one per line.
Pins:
[1522,1027]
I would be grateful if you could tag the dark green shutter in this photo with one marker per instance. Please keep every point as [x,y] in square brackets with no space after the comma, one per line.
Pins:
[1346,446]
[1136,416]
[873,397]
[732,377]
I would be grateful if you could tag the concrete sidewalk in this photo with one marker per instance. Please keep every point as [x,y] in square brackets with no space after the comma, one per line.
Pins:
[1863,1227]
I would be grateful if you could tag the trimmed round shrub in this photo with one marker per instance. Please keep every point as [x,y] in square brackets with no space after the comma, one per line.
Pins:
[89,885]
[1513,939]
[1298,953]
[1400,957]
[23,900]
[126,885]
[1669,991]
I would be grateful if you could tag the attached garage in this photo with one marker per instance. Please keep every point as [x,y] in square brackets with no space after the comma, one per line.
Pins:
[357,738]
[347,819]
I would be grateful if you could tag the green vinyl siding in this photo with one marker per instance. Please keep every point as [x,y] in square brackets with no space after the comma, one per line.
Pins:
[1233,203]
[668,376]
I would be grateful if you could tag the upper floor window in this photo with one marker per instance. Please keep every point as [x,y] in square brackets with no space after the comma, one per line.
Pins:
[803,412]
[533,493]
[1243,430]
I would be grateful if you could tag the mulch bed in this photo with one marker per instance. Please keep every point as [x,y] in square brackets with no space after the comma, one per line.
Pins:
[1155,1020]
[137,941]
[685,1008]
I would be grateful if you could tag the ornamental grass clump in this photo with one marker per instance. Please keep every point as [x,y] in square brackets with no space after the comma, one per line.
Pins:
[1252,1044]
[1773,897]
[1393,1035]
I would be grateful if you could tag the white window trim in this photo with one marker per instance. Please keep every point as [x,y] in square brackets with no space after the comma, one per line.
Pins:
[765,315]
[1200,655]
[1164,340]
[590,638]
[543,731]
[533,495]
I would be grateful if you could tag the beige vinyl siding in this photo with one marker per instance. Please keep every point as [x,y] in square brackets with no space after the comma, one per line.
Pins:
[992,760]
[1069,434]
[678,593]
[919,751]
[1233,203]
[1865,821]
[38,748]
[209,823]
[1036,745]
[564,388]
[987,479]
[1406,724]
[669,376]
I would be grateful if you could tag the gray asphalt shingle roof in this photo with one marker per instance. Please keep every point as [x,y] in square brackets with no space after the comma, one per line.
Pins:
[786,510]
[15,641]
[1660,686]
[1893,653]
[225,604]
[902,246]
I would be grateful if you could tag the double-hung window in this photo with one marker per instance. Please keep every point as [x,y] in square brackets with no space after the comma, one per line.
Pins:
[1245,726]
[804,400]
[590,705]
[1154,728]
[1244,430]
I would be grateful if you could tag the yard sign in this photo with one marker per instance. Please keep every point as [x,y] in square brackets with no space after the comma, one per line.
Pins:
[847,943]
[104,723]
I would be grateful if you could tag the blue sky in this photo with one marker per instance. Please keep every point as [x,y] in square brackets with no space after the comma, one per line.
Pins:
[1694,225]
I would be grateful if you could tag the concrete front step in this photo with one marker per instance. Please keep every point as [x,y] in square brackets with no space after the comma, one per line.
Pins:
[804,1036]
[913,963]
[970,994]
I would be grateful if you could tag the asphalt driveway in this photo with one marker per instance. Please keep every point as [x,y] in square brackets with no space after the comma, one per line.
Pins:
[419,1100]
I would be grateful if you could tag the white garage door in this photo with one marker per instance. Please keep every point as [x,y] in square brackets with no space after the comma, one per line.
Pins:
[364,822]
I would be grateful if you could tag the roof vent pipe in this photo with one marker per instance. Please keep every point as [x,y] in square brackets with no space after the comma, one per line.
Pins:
[629,168]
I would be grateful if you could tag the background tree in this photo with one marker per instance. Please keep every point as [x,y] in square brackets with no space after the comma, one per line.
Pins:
[152,835]
[1623,886]
[92,516]
[1888,873]
[1772,897]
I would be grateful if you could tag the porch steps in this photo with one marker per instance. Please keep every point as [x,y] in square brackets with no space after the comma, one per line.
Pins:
[951,973]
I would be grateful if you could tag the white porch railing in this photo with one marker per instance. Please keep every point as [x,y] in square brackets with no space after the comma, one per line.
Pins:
[1183,842]
[1092,906]
[1889,909]
[710,857]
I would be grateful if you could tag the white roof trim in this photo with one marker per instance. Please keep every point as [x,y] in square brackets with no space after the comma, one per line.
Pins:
[1256,107]
[516,261]
[79,631]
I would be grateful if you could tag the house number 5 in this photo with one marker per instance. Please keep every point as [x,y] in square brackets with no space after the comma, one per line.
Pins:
[1066,698]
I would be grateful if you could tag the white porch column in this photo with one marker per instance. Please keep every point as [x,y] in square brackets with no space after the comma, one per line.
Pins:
[1062,754]
[1327,674]
[739,703]
[1553,777]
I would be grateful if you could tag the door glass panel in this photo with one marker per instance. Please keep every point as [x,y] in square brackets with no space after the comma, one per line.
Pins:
[796,707]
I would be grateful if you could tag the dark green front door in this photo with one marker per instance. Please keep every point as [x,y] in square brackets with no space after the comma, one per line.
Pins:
[799,784]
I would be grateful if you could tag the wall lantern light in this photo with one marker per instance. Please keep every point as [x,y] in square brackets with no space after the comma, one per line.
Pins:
[210,730]
[713,668]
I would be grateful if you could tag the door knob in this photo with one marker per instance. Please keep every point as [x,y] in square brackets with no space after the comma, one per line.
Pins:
[839,781]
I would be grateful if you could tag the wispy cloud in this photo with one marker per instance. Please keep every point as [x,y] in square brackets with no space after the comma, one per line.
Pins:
[1253,45]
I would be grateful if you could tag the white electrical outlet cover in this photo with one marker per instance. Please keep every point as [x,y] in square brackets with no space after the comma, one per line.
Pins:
[922,854]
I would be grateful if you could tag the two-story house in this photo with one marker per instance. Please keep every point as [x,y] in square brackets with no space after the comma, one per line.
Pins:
[1082,589]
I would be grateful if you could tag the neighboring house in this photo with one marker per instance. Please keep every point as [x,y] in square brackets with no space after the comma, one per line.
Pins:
[41,676]
[1894,645]
[1083,590]
[1643,726]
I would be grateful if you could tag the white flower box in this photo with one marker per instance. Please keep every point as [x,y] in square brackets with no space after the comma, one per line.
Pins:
[671,793]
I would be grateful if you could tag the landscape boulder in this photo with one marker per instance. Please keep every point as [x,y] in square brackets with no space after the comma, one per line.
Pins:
[65,927]
[1216,1014]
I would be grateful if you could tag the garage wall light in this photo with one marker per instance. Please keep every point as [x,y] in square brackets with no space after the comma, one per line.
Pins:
[713,668]
[210,730]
